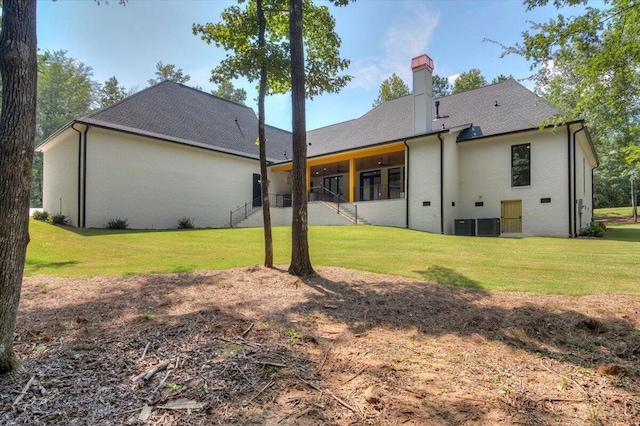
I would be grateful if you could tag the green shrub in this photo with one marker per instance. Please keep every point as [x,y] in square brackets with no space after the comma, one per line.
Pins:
[185,223]
[40,215]
[57,219]
[117,223]
[595,229]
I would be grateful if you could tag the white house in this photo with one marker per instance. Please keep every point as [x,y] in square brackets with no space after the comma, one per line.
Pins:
[476,162]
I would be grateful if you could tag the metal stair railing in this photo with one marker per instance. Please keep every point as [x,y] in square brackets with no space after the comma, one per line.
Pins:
[241,213]
[323,194]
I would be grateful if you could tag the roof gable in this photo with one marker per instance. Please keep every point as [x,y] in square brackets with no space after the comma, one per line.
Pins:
[176,112]
[518,109]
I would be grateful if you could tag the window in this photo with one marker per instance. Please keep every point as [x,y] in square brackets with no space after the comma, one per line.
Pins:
[395,188]
[521,165]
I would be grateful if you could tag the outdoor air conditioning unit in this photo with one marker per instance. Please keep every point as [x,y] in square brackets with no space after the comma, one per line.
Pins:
[465,227]
[489,227]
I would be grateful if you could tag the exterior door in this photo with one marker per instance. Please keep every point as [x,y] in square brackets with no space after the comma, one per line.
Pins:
[511,217]
[257,191]
[333,184]
[370,185]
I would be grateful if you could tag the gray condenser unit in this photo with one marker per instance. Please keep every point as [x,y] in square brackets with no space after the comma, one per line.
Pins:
[465,227]
[489,227]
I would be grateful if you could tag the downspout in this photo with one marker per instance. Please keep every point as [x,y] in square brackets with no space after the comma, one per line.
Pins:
[569,178]
[575,188]
[406,189]
[84,180]
[441,184]
[79,170]
[593,201]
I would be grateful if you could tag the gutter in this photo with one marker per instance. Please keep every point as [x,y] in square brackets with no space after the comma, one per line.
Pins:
[84,180]
[441,185]
[79,170]
[406,189]
[575,212]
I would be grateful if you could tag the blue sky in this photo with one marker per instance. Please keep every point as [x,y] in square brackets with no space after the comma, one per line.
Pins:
[379,37]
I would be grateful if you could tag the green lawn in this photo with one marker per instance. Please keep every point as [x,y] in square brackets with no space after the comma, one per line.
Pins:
[538,265]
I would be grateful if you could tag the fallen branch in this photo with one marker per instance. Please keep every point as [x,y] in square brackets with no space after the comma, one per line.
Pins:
[244,333]
[356,375]
[259,393]
[153,370]
[273,364]
[326,354]
[164,379]
[144,353]
[344,404]
[243,342]
[334,396]
[24,391]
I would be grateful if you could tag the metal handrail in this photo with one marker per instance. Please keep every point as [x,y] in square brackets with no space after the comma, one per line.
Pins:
[332,197]
[244,211]
[250,207]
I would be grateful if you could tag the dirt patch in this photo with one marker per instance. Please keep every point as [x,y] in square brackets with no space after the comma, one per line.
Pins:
[258,346]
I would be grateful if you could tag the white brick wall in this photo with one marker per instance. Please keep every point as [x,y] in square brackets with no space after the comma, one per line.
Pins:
[60,175]
[153,183]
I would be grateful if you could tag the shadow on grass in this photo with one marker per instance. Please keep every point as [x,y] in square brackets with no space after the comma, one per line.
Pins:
[441,275]
[35,265]
[98,232]
[623,233]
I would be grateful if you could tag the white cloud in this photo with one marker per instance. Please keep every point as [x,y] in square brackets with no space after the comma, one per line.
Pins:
[406,37]
[452,78]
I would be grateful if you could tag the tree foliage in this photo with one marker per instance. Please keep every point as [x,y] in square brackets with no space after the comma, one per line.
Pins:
[226,90]
[441,86]
[589,65]
[468,80]
[391,88]
[168,72]
[111,92]
[501,78]
[237,34]
[66,91]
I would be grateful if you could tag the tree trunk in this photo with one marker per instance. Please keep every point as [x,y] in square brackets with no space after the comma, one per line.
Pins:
[264,179]
[18,65]
[300,261]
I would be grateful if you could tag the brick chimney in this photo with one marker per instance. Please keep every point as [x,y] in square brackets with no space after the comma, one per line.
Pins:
[422,67]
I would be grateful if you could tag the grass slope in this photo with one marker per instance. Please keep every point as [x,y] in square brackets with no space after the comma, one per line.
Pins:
[537,265]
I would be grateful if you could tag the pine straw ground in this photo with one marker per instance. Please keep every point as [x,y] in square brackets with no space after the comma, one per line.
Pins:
[258,346]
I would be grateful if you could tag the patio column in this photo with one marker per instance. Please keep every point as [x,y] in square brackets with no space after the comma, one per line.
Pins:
[352,179]
[308,178]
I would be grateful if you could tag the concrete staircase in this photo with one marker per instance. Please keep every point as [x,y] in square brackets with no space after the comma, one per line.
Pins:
[347,211]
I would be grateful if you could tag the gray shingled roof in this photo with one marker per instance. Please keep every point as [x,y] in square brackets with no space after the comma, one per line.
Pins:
[182,114]
[178,113]
[518,109]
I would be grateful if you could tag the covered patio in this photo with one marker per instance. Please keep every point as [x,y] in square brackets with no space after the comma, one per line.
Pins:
[368,174]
